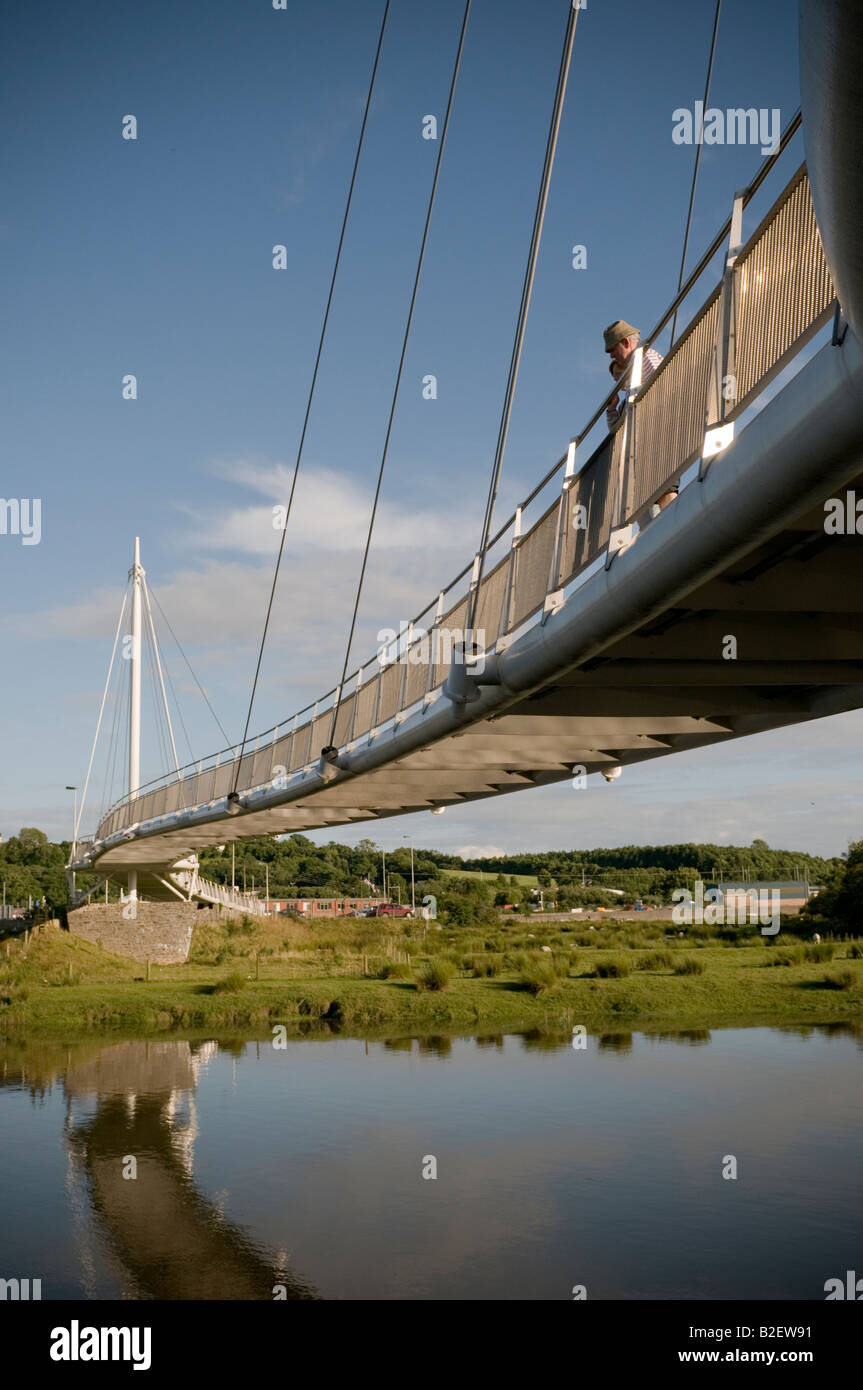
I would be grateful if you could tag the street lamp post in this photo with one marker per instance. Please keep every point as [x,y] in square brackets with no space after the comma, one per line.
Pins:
[413,888]
[384,870]
[74,831]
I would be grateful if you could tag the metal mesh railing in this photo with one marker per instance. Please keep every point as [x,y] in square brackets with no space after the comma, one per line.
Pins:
[669,411]
[784,288]
[782,294]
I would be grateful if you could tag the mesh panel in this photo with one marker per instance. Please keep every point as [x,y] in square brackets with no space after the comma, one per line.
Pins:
[783,285]
[321,734]
[247,764]
[366,706]
[280,756]
[585,530]
[391,680]
[343,720]
[195,789]
[491,594]
[534,561]
[176,795]
[418,672]
[223,780]
[261,765]
[670,411]
[301,751]
[444,637]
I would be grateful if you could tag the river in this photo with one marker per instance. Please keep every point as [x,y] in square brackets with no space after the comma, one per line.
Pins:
[506,1167]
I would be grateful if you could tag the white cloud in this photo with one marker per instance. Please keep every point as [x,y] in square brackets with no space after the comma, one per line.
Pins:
[330,511]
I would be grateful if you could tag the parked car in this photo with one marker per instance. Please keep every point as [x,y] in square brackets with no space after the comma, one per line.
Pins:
[392,910]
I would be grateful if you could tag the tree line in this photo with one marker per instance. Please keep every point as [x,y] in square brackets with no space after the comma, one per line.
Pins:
[294,866]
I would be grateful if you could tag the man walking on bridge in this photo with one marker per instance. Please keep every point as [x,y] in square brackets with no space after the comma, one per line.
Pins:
[621,340]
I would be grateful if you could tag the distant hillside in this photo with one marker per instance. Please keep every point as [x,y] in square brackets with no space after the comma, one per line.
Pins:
[757,860]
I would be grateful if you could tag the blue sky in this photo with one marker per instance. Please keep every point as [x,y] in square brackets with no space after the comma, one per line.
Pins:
[154,257]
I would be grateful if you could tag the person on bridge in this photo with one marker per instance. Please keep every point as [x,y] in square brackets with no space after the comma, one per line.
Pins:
[621,340]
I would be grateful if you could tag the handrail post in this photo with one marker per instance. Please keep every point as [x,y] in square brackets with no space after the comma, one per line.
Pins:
[311,734]
[433,644]
[289,761]
[511,573]
[471,612]
[403,684]
[553,591]
[621,534]
[377,702]
[722,383]
[351,732]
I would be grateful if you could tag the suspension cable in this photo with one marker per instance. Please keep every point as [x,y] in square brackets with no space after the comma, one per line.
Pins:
[429,210]
[161,679]
[155,599]
[102,705]
[312,388]
[120,716]
[178,707]
[527,287]
[698,145]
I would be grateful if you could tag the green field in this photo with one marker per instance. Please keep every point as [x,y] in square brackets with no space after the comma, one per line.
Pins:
[523,880]
[361,976]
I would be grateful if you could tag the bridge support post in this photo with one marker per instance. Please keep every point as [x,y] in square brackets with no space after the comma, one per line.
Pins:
[722,386]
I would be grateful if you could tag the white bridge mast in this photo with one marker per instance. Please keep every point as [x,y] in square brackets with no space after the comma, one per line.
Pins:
[136,574]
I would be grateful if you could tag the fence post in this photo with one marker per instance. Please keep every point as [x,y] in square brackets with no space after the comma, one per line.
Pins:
[722,383]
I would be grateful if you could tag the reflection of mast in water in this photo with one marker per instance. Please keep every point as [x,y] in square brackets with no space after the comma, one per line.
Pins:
[173,1242]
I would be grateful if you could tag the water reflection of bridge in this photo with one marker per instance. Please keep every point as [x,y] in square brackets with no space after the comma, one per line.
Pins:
[170,1240]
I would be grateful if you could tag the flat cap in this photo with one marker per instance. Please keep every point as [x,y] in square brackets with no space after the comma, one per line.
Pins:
[616,332]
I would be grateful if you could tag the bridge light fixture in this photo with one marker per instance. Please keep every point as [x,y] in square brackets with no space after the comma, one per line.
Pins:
[438,810]
[611,774]
[234,804]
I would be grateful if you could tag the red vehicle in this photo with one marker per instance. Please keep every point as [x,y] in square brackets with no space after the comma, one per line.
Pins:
[392,910]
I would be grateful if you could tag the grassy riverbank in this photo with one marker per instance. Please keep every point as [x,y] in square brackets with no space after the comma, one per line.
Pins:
[367,976]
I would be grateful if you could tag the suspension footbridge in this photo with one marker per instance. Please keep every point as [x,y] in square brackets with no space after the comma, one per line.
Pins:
[589,633]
